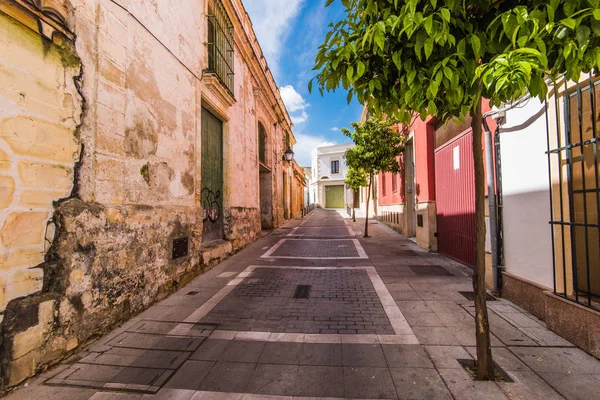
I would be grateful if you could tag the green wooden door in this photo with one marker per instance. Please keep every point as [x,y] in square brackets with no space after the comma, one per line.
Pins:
[212,177]
[334,196]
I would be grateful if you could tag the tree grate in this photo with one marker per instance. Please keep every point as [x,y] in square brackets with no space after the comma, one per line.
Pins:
[302,292]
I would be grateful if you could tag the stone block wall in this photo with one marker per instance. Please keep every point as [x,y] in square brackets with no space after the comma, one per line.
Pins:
[40,114]
[242,226]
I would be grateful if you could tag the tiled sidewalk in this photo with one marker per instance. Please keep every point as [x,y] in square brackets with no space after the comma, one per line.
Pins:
[383,319]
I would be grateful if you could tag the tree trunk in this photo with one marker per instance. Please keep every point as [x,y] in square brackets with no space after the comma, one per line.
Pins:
[367,211]
[485,364]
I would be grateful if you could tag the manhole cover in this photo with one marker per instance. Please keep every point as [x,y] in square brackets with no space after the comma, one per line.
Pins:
[302,292]
[471,296]
[430,270]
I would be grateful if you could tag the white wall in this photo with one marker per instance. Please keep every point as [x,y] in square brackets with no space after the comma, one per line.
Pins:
[525,185]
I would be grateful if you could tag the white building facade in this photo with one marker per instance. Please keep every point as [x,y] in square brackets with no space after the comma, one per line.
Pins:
[329,169]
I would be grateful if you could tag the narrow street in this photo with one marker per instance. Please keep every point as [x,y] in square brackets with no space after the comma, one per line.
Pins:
[315,310]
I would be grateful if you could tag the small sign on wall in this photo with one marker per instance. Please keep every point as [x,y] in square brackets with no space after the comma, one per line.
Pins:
[456,157]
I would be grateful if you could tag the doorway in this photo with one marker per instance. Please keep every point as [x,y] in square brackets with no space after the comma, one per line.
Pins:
[409,188]
[266,198]
[211,196]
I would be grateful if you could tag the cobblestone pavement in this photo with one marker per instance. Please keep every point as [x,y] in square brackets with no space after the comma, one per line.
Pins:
[315,310]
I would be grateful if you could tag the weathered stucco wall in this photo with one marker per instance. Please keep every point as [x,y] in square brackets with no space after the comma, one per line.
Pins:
[40,110]
[100,165]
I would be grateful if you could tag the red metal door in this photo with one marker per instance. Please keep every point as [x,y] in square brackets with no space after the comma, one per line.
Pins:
[455,199]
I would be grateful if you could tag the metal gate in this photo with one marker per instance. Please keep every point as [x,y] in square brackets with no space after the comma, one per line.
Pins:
[212,177]
[455,199]
[334,196]
[574,169]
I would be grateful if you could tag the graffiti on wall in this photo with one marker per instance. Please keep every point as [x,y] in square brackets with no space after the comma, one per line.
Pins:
[210,205]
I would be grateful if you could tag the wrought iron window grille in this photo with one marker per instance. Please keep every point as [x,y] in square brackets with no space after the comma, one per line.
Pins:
[573,168]
[220,44]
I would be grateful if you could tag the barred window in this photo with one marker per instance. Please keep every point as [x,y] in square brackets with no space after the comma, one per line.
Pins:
[395,178]
[335,167]
[262,144]
[220,43]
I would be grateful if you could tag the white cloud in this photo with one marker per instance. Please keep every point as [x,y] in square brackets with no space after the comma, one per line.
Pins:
[292,99]
[306,146]
[295,104]
[335,129]
[299,119]
[272,20]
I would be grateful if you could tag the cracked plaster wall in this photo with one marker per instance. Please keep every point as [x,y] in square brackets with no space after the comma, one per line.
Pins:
[96,183]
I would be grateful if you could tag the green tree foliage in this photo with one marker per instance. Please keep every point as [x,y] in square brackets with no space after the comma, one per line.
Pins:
[437,57]
[376,146]
[441,57]
[356,179]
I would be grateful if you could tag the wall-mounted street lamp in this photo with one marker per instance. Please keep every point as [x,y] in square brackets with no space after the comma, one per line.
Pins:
[288,155]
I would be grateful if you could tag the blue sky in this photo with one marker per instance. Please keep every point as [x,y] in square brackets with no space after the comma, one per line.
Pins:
[290,32]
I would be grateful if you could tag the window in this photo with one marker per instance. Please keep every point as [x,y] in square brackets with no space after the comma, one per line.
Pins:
[383,184]
[220,43]
[262,144]
[335,167]
[395,178]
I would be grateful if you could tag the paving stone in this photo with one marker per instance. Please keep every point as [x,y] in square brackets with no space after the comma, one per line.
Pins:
[466,336]
[171,394]
[266,303]
[414,383]
[323,232]
[445,357]
[115,396]
[140,376]
[373,383]
[463,387]
[545,359]
[282,353]
[413,306]
[462,318]
[190,375]
[210,350]
[544,337]
[405,356]
[363,355]
[423,319]
[273,379]
[577,386]
[155,342]
[206,395]
[321,354]
[503,357]
[316,248]
[528,385]
[436,335]
[243,351]
[444,306]
[94,373]
[319,381]
[228,377]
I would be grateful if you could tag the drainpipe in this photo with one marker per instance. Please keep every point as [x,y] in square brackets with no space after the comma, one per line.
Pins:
[495,234]
[489,164]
